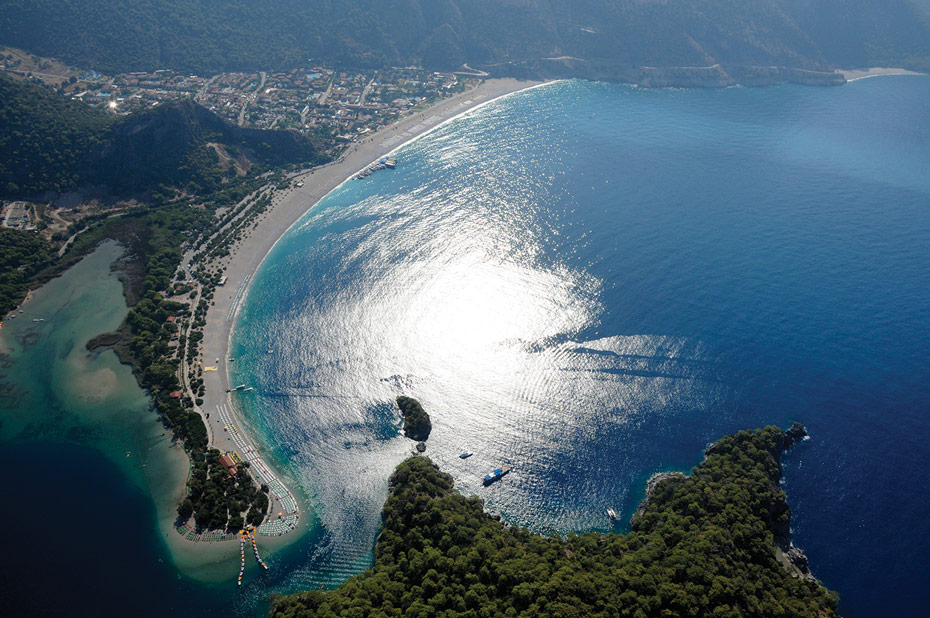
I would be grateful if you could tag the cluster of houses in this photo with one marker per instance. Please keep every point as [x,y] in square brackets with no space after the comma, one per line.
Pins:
[316,99]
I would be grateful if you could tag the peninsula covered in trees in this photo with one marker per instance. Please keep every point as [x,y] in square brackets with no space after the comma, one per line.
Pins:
[707,544]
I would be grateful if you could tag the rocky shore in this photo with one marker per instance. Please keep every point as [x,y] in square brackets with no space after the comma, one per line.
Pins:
[703,547]
[779,515]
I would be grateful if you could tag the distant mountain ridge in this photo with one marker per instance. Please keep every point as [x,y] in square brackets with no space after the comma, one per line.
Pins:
[508,37]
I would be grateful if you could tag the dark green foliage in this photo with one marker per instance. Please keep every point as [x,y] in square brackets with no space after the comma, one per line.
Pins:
[152,236]
[186,508]
[218,499]
[45,139]
[416,421]
[22,255]
[168,145]
[501,36]
[48,142]
[704,546]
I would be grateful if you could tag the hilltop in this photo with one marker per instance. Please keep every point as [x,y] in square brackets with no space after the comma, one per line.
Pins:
[52,143]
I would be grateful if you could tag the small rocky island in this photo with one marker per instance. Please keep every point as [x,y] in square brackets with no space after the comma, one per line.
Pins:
[710,543]
[416,421]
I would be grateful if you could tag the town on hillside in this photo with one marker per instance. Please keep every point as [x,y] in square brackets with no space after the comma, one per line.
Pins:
[342,104]
[339,107]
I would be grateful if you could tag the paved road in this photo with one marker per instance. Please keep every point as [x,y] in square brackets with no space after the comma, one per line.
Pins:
[249,99]
[367,89]
[329,89]
[203,89]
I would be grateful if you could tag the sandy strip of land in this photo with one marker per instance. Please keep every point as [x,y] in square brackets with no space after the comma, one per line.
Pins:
[287,208]
[854,74]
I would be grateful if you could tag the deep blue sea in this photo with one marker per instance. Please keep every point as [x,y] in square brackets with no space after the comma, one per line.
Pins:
[589,282]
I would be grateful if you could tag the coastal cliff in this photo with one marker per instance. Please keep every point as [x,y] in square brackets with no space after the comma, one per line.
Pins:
[778,518]
[704,544]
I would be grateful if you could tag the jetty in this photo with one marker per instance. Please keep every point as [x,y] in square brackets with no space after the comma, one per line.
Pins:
[384,163]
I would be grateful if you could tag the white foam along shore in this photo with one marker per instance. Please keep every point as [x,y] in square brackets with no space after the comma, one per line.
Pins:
[226,429]
[855,74]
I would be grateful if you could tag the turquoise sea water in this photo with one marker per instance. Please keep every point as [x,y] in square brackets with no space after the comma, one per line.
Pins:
[591,282]
[89,468]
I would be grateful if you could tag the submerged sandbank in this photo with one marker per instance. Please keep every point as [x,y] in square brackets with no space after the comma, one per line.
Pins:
[91,399]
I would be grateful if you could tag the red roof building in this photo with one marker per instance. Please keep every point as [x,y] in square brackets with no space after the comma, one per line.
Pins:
[227,462]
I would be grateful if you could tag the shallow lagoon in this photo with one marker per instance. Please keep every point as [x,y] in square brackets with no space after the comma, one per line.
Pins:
[94,476]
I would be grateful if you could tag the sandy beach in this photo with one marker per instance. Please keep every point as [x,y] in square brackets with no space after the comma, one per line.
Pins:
[854,74]
[287,207]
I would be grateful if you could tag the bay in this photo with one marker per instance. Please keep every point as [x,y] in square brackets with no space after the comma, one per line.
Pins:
[591,282]
[588,281]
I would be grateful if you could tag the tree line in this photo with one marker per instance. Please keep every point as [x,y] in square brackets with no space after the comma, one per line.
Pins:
[703,545]
[210,36]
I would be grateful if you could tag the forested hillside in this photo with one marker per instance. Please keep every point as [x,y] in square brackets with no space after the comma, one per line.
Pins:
[22,254]
[500,36]
[703,545]
[45,139]
[49,142]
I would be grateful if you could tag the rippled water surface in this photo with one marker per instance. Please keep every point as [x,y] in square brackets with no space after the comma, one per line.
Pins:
[591,282]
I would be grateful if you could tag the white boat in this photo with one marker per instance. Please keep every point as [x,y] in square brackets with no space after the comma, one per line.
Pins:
[612,514]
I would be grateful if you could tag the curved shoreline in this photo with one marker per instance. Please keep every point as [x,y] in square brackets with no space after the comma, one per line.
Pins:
[288,207]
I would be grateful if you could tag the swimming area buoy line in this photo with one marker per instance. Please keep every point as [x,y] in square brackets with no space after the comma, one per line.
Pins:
[248,534]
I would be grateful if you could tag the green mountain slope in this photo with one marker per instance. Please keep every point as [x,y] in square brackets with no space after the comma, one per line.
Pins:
[45,139]
[51,143]
[702,545]
[859,33]
[503,36]
[22,255]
